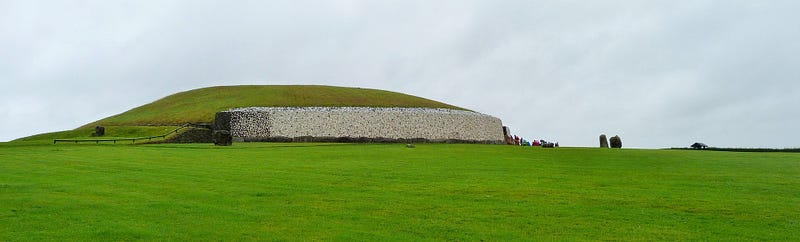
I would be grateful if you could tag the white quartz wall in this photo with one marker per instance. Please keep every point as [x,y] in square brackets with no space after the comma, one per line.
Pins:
[433,124]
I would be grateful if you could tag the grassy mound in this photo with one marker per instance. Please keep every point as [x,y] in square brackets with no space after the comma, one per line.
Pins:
[200,105]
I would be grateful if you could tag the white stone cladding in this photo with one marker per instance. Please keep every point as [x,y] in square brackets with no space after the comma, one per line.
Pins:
[431,124]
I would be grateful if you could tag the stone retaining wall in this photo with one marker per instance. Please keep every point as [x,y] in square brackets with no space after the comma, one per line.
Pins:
[191,135]
[359,124]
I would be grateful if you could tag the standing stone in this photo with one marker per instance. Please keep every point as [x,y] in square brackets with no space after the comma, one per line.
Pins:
[99,131]
[507,136]
[603,141]
[222,137]
[615,141]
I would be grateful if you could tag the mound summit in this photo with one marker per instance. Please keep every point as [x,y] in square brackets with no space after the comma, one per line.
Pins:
[200,105]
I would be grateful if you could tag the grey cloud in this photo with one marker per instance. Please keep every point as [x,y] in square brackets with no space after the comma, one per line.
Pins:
[658,73]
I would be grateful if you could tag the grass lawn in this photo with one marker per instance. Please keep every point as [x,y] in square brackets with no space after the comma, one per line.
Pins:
[276,191]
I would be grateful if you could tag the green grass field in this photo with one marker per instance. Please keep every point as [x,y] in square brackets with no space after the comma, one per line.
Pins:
[299,191]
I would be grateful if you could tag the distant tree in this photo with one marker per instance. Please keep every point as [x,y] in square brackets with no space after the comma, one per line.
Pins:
[603,141]
[615,141]
[699,146]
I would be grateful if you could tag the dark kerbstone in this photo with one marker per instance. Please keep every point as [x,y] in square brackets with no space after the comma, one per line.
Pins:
[99,131]
[222,137]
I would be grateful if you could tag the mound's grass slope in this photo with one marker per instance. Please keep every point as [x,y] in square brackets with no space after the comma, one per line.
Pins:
[111,133]
[358,192]
[200,105]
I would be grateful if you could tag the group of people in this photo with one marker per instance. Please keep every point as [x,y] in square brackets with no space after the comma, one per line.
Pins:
[543,143]
[516,140]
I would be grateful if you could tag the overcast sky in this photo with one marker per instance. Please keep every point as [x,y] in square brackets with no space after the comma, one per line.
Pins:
[657,73]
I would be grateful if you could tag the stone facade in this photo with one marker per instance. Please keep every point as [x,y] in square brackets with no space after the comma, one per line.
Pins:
[359,124]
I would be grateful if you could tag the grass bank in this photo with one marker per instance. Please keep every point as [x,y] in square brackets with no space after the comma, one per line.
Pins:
[112,132]
[263,191]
